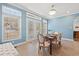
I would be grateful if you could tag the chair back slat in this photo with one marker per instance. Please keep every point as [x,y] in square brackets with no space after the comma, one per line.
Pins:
[40,38]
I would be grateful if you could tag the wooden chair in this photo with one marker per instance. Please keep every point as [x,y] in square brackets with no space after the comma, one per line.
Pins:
[43,43]
[57,40]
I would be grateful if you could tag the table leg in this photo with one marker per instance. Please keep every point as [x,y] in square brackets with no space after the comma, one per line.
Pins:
[50,48]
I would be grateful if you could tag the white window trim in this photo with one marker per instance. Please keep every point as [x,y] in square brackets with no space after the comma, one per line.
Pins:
[3,40]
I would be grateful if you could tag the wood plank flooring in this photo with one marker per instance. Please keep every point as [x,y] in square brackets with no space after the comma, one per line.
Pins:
[69,48]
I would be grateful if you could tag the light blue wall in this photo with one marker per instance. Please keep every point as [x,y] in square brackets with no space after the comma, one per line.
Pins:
[23,24]
[63,24]
[0,23]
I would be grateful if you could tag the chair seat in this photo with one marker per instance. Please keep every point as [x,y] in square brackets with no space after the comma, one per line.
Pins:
[46,44]
[55,42]
[41,44]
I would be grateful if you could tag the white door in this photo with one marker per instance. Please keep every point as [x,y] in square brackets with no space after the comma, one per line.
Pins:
[31,29]
[34,27]
[44,27]
[38,29]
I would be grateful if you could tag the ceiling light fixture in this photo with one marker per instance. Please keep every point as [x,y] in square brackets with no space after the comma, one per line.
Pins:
[67,12]
[52,11]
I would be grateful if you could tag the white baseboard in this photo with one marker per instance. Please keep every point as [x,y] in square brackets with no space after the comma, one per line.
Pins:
[67,39]
[27,41]
[19,43]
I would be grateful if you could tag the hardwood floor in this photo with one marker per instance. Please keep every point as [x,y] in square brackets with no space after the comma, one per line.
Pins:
[69,48]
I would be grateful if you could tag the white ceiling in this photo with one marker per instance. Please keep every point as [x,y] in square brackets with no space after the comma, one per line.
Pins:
[61,8]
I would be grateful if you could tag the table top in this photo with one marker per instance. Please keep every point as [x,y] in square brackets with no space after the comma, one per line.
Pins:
[51,37]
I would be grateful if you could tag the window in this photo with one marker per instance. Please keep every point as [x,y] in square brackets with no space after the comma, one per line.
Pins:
[44,27]
[34,25]
[11,23]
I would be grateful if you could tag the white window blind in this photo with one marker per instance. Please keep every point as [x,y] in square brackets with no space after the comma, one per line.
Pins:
[30,15]
[10,11]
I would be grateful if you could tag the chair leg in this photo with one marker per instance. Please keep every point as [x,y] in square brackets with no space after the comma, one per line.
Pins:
[39,47]
[59,44]
[39,50]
